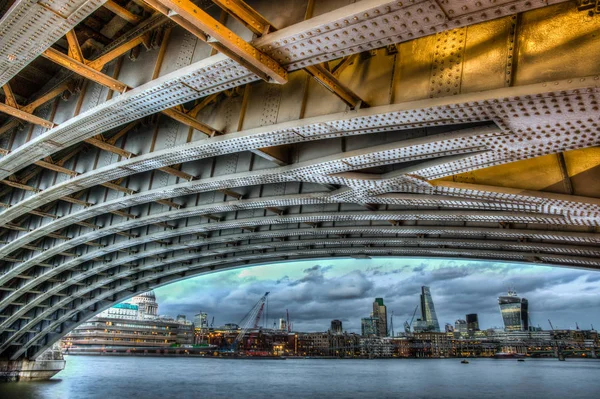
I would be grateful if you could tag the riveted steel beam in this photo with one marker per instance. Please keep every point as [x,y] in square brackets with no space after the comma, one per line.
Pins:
[249,248]
[236,45]
[259,25]
[116,112]
[28,28]
[84,70]
[122,12]
[25,116]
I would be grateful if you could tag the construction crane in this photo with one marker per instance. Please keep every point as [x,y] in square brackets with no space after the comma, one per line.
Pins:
[551,326]
[250,320]
[407,325]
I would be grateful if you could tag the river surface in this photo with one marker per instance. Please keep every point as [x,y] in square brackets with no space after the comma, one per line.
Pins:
[153,377]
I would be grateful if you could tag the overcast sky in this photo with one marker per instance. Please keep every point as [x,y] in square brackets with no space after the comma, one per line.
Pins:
[315,292]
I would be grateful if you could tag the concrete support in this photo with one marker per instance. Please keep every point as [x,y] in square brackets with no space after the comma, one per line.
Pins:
[44,367]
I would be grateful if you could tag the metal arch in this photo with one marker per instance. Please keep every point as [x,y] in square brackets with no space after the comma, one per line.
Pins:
[377,119]
[405,230]
[363,121]
[516,201]
[470,219]
[175,249]
[28,28]
[425,215]
[545,211]
[528,249]
[565,237]
[187,272]
[291,173]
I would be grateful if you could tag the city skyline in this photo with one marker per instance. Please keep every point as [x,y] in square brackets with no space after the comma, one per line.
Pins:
[315,292]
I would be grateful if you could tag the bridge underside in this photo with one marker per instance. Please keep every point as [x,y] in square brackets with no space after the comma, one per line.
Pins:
[141,145]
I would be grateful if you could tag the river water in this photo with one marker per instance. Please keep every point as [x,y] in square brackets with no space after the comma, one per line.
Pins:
[152,377]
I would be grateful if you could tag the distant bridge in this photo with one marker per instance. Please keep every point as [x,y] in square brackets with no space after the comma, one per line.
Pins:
[195,141]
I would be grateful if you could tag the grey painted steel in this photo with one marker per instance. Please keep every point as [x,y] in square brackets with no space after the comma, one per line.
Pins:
[30,27]
[218,73]
[50,285]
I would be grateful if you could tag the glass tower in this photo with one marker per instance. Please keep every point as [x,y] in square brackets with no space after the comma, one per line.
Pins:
[369,326]
[428,315]
[515,312]
[201,320]
[472,322]
[380,313]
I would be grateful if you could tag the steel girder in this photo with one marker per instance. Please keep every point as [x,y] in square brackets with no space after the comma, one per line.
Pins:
[359,27]
[28,28]
[482,146]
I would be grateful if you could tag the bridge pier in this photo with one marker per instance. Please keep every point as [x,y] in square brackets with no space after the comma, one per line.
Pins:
[43,368]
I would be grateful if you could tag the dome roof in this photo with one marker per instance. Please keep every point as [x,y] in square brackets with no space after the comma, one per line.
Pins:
[148,294]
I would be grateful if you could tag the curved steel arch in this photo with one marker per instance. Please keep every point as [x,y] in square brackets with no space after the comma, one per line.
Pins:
[445,162]
[187,271]
[526,249]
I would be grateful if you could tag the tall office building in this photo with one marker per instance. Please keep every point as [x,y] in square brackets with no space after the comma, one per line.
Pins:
[428,316]
[368,326]
[283,324]
[336,327]
[201,320]
[472,322]
[515,312]
[380,313]
[460,326]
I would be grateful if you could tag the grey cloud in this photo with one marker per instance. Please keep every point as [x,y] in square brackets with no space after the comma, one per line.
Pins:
[317,296]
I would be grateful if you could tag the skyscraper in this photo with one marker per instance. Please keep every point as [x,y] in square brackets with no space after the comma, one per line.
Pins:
[336,327]
[201,320]
[428,315]
[380,313]
[515,312]
[472,322]
[460,326]
[368,326]
[283,324]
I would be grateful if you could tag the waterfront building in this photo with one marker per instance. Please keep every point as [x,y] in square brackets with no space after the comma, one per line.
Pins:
[448,328]
[313,344]
[127,326]
[428,320]
[110,333]
[369,326]
[460,326]
[336,327]
[373,347]
[380,313]
[201,320]
[515,312]
[431,344]
[472,322]
[125,311]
